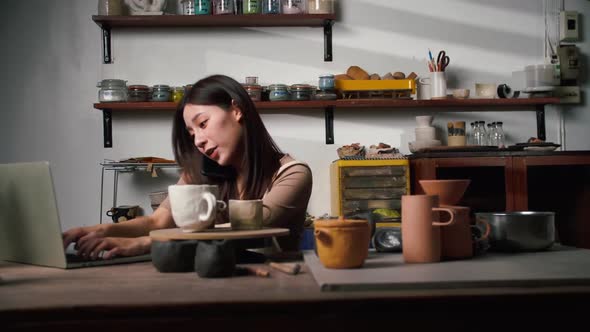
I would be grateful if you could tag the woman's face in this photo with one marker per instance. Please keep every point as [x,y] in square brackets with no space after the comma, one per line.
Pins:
[215,132]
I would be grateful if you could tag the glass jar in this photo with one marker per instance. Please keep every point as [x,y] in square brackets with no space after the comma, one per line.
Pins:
[254,91]
[112,90]
[161,92]
[321,6]
[271,6]
[294,6]
[278,92]
[110,7]
[138,93]
[223,7]
[300,92]
[326,82]
[177,94]
[188,7]
[251,7]
[251,80]
[202,7]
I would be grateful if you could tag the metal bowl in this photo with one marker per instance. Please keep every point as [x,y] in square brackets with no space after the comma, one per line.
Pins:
[520,230]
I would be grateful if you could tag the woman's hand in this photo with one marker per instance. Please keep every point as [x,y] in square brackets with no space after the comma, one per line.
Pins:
[76,234]
[92,245]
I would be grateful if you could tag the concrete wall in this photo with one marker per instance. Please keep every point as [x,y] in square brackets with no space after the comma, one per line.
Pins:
[51,61]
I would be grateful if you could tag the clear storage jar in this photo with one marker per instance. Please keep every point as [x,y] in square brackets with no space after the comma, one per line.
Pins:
[254,91]
[223,7]
[202,7]
[294,6]
[326,82]
[321,6]
[300,92]
[251,6]
[271,6]
[188,7]
[110,7]
[112,90]
[278,92]
[138,93]
[161,92]
[177,94]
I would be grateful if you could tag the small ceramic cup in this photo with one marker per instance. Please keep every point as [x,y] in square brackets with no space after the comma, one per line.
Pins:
[246,214]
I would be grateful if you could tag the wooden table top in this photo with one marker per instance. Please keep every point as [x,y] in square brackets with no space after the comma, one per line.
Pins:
[142,296]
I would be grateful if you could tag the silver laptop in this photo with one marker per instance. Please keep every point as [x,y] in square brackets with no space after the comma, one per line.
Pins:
[30,230]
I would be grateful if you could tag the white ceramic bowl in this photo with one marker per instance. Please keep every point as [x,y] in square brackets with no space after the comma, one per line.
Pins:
[417,145]
[424,120]
[461,93]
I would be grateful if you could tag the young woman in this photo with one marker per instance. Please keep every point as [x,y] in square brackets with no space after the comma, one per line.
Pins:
[218,138]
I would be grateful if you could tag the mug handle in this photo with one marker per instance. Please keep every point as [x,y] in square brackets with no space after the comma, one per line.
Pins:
[488,230]
[221,206]
[208,216]
[448,223]
[111,211]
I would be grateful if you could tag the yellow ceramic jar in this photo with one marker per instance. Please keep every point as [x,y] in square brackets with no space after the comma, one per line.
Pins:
[342,243]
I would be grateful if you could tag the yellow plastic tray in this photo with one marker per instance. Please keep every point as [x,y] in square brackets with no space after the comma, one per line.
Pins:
[376,85]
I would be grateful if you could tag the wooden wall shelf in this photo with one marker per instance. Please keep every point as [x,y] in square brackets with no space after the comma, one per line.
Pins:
[328,106]
[106,23]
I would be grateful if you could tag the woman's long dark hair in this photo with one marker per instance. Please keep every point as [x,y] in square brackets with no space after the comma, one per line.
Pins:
[261,155]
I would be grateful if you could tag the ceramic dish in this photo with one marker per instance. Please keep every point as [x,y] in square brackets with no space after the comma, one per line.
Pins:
[543,146]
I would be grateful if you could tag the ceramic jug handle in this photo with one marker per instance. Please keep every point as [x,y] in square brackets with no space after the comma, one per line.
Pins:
[488,229]
[321,235]
[208,215]
[448,223]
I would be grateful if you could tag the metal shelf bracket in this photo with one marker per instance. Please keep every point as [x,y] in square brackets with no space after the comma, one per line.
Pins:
[107,126]
[329,115]
[106,45]
[328,40]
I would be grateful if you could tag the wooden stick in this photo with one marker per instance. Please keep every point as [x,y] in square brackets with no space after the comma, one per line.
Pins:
[289,268]
[259,272]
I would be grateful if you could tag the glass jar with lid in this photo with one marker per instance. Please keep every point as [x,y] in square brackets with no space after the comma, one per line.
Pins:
[161,92]
[112,90]
[254,91]
[321,6]
[278,92]
[294,6]
[202,7]
[326,82]
[300,92]
[251,7]
[223,7]
[271,6]
[177,94]
[138,93]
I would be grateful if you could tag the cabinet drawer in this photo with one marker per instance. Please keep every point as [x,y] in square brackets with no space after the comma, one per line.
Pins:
[374,181]
[374,171]
[374,193]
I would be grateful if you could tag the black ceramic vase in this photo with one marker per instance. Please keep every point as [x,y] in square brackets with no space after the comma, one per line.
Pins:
[215,259]
[174,256]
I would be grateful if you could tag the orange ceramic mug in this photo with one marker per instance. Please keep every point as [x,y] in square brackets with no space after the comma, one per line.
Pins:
[421,240]
[342,243]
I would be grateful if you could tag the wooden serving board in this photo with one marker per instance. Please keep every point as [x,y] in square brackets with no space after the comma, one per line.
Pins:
[216,234]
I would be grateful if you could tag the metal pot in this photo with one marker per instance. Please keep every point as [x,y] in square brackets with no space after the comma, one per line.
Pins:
[520,230]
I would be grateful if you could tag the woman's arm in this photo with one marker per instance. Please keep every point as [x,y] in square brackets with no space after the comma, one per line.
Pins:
[287,202]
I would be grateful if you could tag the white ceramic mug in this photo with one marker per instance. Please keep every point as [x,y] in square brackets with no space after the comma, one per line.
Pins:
[246,214]
[423,90]
[193,206]
[438,85]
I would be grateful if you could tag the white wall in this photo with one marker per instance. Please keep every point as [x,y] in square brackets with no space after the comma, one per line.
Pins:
[51,61]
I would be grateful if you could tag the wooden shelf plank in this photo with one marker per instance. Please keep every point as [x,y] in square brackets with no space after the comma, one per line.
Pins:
[484,104]
[254,20]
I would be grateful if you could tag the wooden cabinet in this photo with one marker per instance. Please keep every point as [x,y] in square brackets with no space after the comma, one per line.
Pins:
[519,181]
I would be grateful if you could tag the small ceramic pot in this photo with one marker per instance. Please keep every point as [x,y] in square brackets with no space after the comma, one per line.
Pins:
[174,256]
[342,243]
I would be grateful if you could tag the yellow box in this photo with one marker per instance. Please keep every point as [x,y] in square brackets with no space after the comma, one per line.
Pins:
[376,85]
[358,186]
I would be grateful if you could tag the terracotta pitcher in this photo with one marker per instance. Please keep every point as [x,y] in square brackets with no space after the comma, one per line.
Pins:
[420,238]
[457,241]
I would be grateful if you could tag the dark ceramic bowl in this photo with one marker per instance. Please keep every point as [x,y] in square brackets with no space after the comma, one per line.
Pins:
[174,256]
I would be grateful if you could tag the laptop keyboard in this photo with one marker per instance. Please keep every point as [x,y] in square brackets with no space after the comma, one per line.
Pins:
[73,258]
